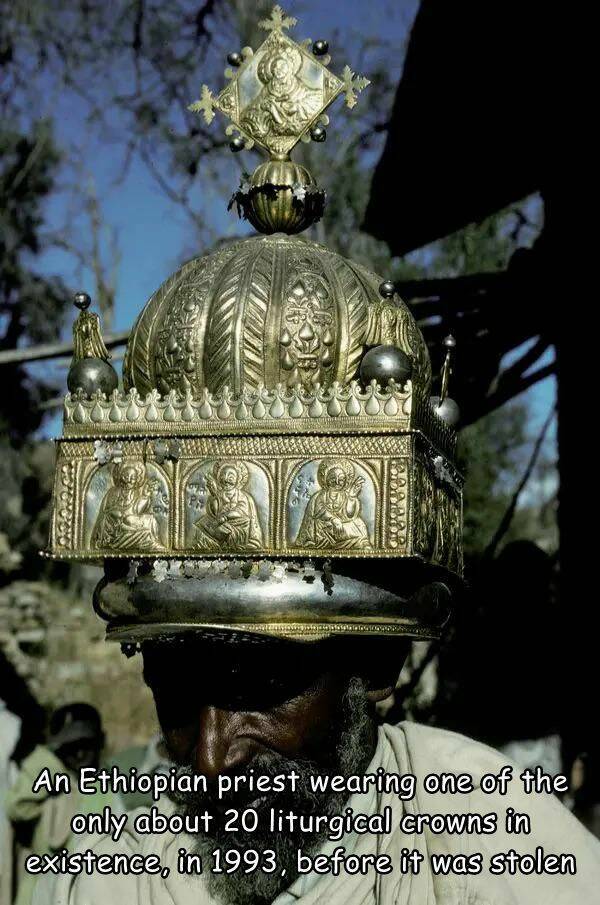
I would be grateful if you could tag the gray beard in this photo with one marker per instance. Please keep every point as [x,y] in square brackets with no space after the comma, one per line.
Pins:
[353,750]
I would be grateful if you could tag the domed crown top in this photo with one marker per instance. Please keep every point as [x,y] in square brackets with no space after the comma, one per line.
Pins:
[267,311]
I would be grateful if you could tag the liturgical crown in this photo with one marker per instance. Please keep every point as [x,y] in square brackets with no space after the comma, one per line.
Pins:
[275,463]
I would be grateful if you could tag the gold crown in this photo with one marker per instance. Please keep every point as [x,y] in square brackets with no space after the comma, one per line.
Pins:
[276,426]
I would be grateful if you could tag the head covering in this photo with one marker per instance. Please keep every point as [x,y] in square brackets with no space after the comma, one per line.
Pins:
[75,723]
[274,464]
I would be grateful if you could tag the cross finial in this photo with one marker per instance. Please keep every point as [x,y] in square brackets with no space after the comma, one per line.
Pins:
[205,105]
[278,20]
[353,85]
[278,94]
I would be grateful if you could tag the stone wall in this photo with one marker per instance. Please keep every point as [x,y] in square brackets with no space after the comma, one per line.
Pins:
[56,643]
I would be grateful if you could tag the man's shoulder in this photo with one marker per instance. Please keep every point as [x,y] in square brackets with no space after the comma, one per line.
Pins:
[443,750]
[91,889]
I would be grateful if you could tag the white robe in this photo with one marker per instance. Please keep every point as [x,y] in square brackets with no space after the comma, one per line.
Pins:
[407,748]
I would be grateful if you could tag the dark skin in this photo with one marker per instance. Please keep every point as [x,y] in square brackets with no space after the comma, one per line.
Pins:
[219,705]
[81,753]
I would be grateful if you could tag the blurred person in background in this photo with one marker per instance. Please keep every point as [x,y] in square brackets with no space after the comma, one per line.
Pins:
[42,820]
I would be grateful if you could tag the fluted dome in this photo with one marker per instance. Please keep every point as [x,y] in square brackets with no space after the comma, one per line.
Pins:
[267,310]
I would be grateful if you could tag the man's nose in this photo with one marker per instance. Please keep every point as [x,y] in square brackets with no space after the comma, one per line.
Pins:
[221,746]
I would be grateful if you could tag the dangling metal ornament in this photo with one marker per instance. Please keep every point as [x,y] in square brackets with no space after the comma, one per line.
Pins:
[87,337]
[444,407]
[90,370]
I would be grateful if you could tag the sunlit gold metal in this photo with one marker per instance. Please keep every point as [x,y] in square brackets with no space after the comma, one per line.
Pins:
[279,92]
[243,434]
[87,337]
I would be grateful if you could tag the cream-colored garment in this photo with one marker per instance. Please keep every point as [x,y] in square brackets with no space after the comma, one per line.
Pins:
[407,748]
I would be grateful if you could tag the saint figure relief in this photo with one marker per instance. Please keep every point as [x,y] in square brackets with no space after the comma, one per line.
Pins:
[285,105]
[332,518]
[126,519]
[230,520]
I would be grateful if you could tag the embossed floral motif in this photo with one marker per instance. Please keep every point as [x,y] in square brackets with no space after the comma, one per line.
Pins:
[166,449]
[107,452]
[307,331]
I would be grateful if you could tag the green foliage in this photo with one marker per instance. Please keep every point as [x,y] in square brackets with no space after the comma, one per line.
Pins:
[31,311]
[31,306]
[487,246]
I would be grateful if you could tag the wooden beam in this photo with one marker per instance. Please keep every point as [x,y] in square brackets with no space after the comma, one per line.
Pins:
[54,350]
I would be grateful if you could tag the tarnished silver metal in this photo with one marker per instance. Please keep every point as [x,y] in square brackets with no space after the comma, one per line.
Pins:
[286,600]
[385,363]
[320,48]
[447,410]
[387,289]
[82,301]
[449,344]
[92,375]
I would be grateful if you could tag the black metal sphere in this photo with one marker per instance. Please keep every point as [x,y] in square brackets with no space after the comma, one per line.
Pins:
[235,59]
[82,301]
[318,133]
[237,144]
[387,289]
[383,363]
[320,48]
[448,411]
[91,375]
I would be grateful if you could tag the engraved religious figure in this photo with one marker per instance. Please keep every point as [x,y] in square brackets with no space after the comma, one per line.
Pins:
[285,105]
[230,520]
[307,331]
[332,518]
[126,519]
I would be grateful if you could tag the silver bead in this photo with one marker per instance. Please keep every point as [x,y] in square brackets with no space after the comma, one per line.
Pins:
[82,301]
[237,144]
[449,342]
[235,59]
[91,375]
[318,133]
[448,411]
[387,289]
[320,48]
[384,363]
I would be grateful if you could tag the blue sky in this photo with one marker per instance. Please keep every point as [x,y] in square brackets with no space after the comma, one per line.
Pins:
[153,234]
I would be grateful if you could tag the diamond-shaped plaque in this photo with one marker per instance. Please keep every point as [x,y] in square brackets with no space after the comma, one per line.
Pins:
[279,92]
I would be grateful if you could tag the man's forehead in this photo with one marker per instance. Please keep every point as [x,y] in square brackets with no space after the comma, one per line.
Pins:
[234,648]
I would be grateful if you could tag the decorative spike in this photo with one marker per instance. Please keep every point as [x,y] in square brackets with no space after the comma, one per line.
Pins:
[87,336]
[277,21]
[449,344]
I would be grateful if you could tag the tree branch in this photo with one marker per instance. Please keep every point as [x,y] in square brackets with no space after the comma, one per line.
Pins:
[46,351]
[507,518]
